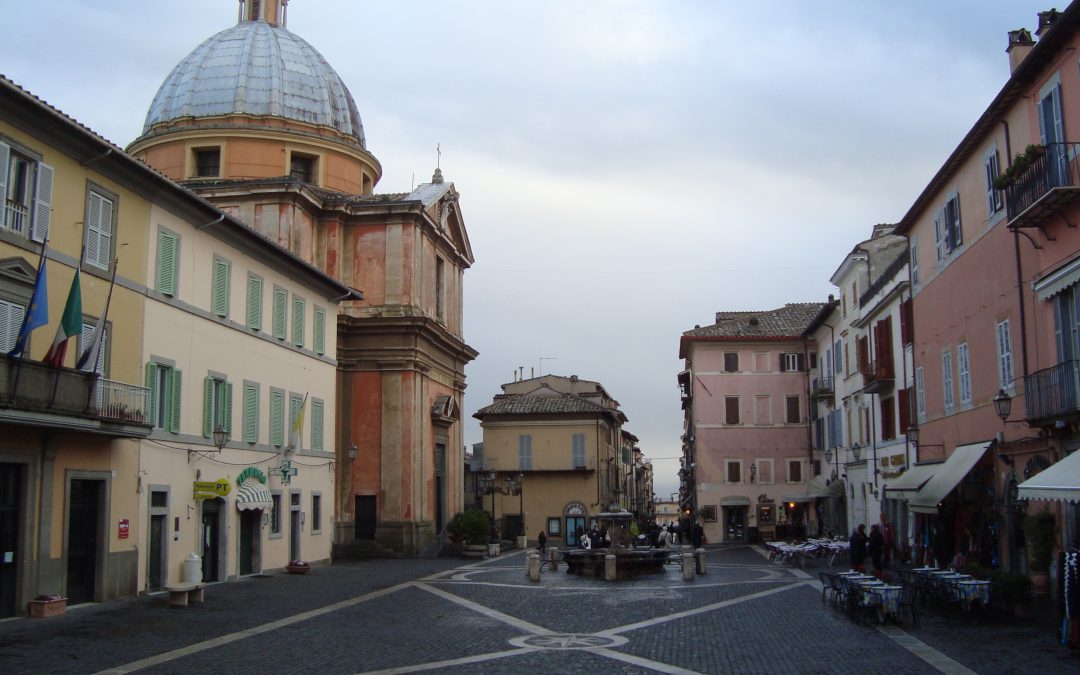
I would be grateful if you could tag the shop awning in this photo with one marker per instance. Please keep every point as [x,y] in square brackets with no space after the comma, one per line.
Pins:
[1060,482]
[908,483]
[817,487]
[797,498]
[1057,280]
[734,501]
[947,476]
[253,495]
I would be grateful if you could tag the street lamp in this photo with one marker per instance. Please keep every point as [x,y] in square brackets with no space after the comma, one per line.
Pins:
[352,452]
[221,437]
[1003,405]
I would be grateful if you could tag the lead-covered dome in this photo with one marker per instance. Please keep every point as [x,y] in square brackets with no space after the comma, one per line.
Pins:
[255,68]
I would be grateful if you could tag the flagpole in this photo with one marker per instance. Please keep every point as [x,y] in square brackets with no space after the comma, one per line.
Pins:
[27,317]
[56,375]
[96,342]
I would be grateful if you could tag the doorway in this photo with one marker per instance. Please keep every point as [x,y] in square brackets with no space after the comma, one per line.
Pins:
[250,538]
[157,570]
[440,470]
[211,539]
[84,533]
[575,527]
[365,517]
[10,517]
[295,524]
[735,523]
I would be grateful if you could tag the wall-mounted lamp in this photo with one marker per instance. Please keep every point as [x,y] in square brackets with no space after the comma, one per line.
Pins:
[1003,405]
[221,437]
[352,452]
[753,472]
[856,451]
[913,435]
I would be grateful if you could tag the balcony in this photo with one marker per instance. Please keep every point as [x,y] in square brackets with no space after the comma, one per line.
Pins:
[1049,184]
[821,388]
[1052,392]
[34,394]
[878,375]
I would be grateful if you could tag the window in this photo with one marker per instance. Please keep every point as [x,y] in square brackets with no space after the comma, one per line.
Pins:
[731,410]
[524,452]
[903,399]
[316,513]
[731,362]
[251,412]
[920,395]
[1005,355]
[734,471]
[167,262]
[763,409]
[764,471]
[298,309]
[11,318]
[100,224]
[992,169]
[963,371]
[948,235]
[317,424]
[26,185]
[296,408]
[578,443]
[838,366]
[914,262]
[219,300]
[792,362]
[254,301]
[440,288]
[888,419]
[277,417]
[946,380]
[207,162]
[793,416]
[217,405]
[302,167]
[281,302]
[1066,326]
[86,338]
[554,526]
[761,362]
[1052,133]
[164,382]
[275,513]
[794,471]
[318,330]
[708,513]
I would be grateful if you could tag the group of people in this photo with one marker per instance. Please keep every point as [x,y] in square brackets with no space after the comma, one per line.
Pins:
[878,545]
[655,535]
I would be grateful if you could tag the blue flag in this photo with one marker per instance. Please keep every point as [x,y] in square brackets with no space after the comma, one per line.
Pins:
[37,314]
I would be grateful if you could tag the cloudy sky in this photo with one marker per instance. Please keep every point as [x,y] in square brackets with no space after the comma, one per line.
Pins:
[627,167]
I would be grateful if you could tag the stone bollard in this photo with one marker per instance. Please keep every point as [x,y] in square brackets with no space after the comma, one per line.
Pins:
[553,557]
[700,561]
[534,567]
[522,543]
[528,563]
[688,566]
[610,572]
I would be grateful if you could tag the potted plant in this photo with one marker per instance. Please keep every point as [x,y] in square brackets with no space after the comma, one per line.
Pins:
[470,529]
[298,567]
[44,606]
[1039,531]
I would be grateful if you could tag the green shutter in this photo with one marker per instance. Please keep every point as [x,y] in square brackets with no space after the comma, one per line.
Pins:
[151,381]
[208,407]
[277,410]
[166,271]
[175,389]
[227,407]
[318,330]
[220,299]
[254,303]
[281,299]
[298,322]
[251,413]
[316,424]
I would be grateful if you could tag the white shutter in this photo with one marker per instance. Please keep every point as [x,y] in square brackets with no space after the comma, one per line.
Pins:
[99,231]
[39,231]
[1005,365]
[5,166]
[939,234]
[11,318]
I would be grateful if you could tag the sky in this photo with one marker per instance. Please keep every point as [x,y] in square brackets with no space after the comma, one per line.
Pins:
[626,167]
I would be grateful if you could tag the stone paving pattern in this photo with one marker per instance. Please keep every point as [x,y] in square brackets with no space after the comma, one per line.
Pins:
[450,615]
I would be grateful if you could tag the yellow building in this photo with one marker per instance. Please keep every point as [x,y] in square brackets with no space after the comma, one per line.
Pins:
[562,439]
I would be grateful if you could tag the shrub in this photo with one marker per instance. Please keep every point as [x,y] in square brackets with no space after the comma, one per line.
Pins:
[1039,531]
[471,526]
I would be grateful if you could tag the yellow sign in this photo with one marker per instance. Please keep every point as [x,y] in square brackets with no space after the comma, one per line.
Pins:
[211,489]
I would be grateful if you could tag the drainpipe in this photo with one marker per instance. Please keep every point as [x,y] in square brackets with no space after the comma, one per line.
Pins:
[1019,269]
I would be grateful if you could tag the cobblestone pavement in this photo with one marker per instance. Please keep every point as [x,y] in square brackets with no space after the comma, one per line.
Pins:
[746,615]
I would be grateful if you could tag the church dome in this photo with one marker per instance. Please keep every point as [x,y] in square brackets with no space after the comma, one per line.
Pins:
[255,68]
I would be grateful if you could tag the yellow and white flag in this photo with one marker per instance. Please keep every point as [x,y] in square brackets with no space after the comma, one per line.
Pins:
[296,429]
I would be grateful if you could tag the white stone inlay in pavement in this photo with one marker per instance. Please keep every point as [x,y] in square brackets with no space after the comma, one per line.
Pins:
[568,641]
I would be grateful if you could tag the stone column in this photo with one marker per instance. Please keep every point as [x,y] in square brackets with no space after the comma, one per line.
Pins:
[688,566]
[700,560]
[610,571]
[534,567]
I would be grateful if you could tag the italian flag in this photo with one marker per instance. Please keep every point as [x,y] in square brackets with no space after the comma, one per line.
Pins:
[70,325]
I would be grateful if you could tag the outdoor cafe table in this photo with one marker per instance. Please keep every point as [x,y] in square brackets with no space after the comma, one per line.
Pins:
[971,590]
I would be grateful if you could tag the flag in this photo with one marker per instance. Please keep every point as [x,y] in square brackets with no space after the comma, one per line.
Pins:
[297,426]
[37,314]
[89,359]
[70,325]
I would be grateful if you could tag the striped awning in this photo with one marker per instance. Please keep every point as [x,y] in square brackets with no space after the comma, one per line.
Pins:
[253,495]
[1060,482]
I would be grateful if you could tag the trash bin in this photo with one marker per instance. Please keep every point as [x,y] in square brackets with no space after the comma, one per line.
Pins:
[192,572]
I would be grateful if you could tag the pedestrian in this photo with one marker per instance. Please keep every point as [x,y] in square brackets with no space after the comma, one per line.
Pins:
[662,538]
[874,548]
[697,535]
[858,547]
[889,535]
[541,541]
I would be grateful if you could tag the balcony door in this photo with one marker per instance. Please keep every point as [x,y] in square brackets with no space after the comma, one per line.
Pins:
[1052,134]
[85,534]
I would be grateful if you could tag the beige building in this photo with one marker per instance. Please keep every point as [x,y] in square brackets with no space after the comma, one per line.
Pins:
[562,438]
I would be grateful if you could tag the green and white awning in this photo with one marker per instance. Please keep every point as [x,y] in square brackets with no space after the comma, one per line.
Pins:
[253,495]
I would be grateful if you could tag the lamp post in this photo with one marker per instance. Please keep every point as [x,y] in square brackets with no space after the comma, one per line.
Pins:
[491,488]
[521,502]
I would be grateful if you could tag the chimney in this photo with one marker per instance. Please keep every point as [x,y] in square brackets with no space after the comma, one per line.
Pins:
[753,321]
[573,378]
[1046,19]
[1020,43]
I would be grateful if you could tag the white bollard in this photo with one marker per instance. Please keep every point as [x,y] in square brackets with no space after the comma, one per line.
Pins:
[534,567]
[610,571]
[688,566]
[700,561]
[553,557]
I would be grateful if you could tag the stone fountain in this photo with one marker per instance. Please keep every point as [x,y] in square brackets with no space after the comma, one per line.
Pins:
[619,561]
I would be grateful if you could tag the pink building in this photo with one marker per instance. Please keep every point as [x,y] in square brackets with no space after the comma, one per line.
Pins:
[747,457]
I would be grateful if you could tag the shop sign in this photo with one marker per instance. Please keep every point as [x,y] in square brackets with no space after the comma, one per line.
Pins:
[124,526]
[212,489]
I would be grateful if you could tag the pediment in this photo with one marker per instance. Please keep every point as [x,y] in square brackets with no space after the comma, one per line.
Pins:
[445,411]
[17,270]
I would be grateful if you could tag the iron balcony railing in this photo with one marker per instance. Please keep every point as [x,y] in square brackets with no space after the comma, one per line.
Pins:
[1030,194]
[821,386]
[123,402]
[878,369]
[16,217]
[1052,391]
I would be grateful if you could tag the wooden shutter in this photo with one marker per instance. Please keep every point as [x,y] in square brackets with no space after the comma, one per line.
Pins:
[220,299]
[281,301]
[166,271]
[731,410]
[783,362]
[42,203]
[151,384]
[905,321]
[226,408]
[277,413]
[254,302]
[99,230]
[904,402]
[860,354]
[175,385]
[792,409]
[316,424]
[298,310]
[939,234]
[888,422]
[800,362]
[208,407]
[251,413]
[318,330]
[5,167]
